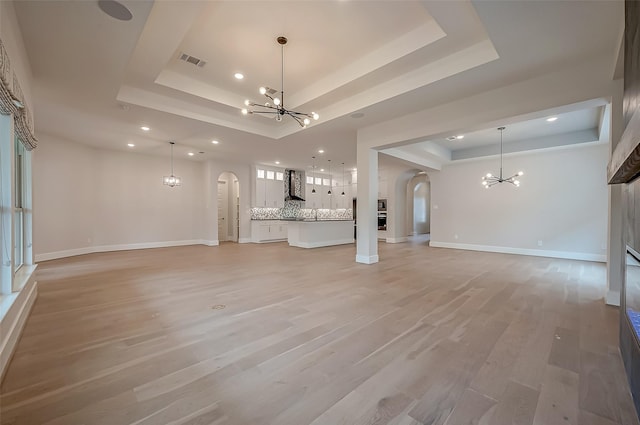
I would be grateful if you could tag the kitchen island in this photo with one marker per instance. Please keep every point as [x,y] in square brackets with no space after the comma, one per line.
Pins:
[318,233]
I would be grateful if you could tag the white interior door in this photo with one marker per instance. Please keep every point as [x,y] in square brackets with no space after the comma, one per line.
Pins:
[222,211]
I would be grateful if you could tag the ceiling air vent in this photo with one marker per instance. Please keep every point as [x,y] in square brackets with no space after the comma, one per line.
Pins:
[192,60]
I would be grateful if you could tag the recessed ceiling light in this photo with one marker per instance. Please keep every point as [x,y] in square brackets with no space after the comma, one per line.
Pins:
[215,142]
[322,169]
[191,153]
[238,76]
[278,162]
[461,136]
[321,151]
[130,145]
[552,119]
[145,128]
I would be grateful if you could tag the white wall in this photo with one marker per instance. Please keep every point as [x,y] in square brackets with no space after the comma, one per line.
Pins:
[88,199]
[562,202]
[63,182]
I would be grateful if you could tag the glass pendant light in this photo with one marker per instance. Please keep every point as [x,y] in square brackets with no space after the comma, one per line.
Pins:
[171,181]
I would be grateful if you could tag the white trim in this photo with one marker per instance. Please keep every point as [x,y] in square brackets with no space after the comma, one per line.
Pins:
[63,254]
[522,251]
[320,244]
[244,240]
[367,259]
[13,321]
[123,247]
[612,298]
[268,240]
[397,240]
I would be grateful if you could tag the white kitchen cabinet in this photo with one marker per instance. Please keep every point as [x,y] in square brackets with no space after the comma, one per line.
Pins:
[325,198]
[275,194]
[269,192]
[313,200]
[261,193]
[345,201]
[268,230]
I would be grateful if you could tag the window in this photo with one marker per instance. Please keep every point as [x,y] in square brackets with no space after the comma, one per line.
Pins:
[279,176]
[260,174]
[270,175]
[18,213]
[319,181]
[309,180]
[326,182]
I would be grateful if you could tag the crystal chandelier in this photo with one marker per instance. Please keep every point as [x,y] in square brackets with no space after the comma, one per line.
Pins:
[491,180]
[275,105]
[171,181]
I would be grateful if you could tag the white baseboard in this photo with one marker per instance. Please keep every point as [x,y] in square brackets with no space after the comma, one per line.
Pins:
[522,251]
[612,298]
[244,240]
[63,254]
[323,243]
[14,319]
[121,247]
[269,240]
[367,259]
[397,240]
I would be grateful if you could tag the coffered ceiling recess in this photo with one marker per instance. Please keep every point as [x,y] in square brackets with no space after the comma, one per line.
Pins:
[336,63]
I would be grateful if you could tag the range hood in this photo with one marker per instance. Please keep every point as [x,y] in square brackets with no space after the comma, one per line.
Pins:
[294,185]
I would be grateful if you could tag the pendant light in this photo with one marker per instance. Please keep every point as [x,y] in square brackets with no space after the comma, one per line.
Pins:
[313,169]
[278,109]
[342,194]
[329,192]
[491,180]
[172,181]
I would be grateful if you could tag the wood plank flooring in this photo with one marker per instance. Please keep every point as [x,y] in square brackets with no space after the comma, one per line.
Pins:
[269,334]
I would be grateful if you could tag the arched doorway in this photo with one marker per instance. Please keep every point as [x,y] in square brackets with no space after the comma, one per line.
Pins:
[419,204]
[228,207]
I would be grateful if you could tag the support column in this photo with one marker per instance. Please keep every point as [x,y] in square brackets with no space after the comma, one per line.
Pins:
[615,232]
[367,208]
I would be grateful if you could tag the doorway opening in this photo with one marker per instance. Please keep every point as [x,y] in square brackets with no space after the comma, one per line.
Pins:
[228,207]
[419,208]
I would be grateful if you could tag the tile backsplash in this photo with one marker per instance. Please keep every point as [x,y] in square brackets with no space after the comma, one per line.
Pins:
[294,209]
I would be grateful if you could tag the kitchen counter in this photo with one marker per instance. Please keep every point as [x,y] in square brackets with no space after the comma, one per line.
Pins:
[307,220]
[314,234]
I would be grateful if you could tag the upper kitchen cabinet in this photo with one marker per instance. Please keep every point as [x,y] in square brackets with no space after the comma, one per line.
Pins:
[269,191]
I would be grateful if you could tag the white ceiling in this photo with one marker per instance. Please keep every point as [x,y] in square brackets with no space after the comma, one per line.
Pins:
[381,58]
[568,122]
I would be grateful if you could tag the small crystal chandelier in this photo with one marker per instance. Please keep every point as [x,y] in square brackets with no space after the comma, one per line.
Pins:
[171,181]
[278,109]
[490,180]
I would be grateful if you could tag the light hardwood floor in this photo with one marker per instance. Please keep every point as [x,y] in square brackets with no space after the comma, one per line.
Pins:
[426,336]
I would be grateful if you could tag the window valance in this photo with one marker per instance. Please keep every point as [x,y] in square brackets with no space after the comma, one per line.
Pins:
[12,101]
